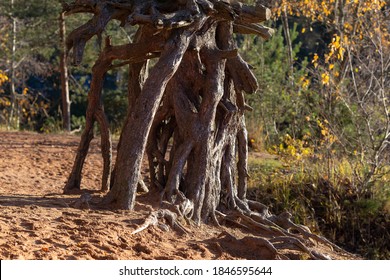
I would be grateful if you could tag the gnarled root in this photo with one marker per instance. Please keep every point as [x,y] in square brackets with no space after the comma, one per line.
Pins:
[182,208]
[281,232]
[162,214]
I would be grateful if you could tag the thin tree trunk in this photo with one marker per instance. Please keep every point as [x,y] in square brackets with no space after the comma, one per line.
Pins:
[64,76]
[286,30]
[11,122]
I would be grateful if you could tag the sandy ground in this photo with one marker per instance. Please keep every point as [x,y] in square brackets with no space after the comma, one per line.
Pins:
[38,222]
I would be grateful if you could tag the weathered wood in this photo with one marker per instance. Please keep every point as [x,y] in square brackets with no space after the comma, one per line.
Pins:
[148,12]
[254,14]
[253,28]
[243,77]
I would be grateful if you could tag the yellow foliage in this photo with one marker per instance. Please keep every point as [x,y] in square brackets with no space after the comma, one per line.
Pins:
[362,20]
[336,49]
[315,60]
[305,82]
[325,78]
[3,77]
[294,149]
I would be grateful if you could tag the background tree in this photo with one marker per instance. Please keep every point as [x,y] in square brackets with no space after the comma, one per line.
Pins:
[27,53]
[66,121]
[331,135]
[352,93]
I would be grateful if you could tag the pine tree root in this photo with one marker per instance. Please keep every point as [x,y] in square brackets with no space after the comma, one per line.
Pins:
[256,243]
[83,202]
[153,220]
[141,187]
[281,231]
[284,220]
[182,208]
[274,233]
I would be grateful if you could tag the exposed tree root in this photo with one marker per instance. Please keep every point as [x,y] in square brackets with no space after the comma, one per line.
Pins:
[186,113]
[281,231]
[274,237]
[83,202]
[259,243]
[181,209]
[162,214]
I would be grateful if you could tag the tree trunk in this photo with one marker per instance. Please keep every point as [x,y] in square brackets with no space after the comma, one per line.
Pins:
[64,76]
[13,114]
[133,53]
[136,130]
[286,30]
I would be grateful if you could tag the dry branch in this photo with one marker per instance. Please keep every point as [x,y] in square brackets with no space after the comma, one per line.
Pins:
[253,28]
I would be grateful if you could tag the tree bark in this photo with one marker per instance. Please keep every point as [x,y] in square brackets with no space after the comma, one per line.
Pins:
[136,130]
[132,53]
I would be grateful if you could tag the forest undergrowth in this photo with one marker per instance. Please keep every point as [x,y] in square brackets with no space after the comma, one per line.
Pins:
[323,196]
